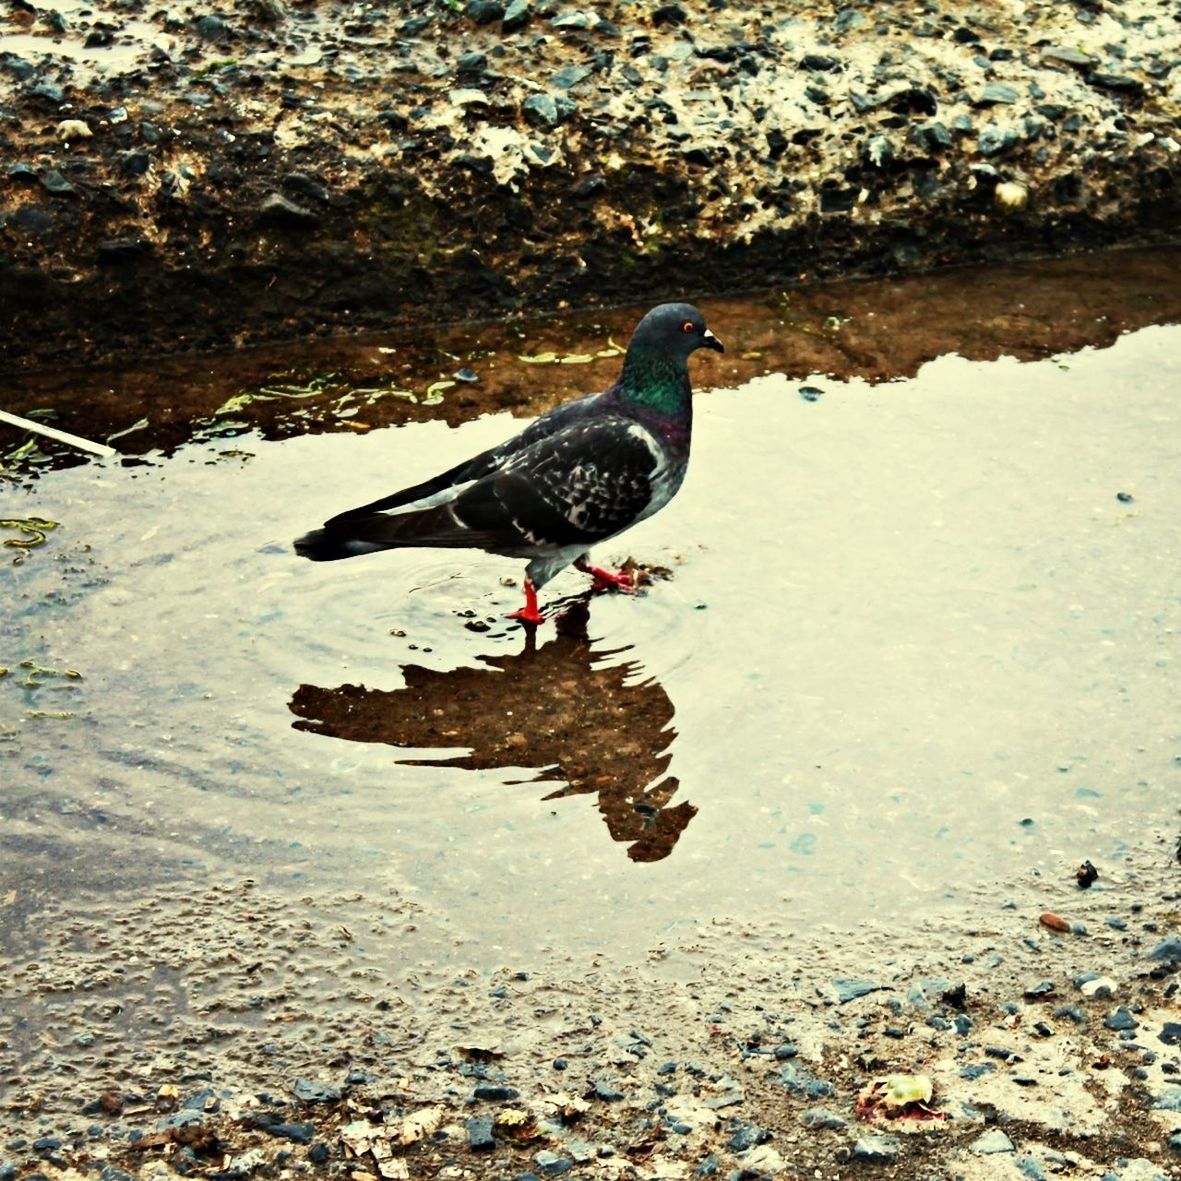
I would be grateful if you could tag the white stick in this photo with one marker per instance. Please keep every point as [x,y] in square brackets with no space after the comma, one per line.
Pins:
[50,432]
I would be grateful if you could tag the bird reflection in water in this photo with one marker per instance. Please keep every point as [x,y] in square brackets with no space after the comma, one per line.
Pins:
[558,706]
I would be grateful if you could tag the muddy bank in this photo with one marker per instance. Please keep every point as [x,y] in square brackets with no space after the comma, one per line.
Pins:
[879,331]
[180,178]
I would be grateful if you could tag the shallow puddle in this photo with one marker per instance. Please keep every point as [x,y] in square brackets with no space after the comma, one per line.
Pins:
[913,639]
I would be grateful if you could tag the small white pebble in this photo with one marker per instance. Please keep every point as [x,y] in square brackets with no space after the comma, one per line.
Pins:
[69,129]
[1011,195]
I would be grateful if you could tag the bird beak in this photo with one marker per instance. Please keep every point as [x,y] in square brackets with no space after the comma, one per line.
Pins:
[709,341]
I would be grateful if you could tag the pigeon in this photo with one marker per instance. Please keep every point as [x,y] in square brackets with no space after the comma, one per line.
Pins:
[580,474]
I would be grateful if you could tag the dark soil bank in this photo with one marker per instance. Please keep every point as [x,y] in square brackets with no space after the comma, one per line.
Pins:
[188,177]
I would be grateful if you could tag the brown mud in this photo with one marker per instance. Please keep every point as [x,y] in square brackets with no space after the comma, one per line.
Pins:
[877,331]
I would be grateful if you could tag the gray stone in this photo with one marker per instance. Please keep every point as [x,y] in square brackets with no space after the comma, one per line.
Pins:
[300,1133]
[1120,1019]
[992,1141]
[881,1150]
[280,210]
[570,77]
[494,1092]
[1069,57]
[1168,950]
[484,12]
[551,1164]
[821,1117]
[479,1134]
[1168,1100]
[849,988]
[516,16]
[998,92]
[994,140]
[313,1092]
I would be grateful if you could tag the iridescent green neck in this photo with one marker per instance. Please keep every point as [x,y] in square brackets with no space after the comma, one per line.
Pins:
[656,382]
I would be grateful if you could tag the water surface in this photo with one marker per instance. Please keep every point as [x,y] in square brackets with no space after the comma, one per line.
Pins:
[915,638]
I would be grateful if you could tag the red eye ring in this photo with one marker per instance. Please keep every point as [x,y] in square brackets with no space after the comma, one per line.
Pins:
[688,326]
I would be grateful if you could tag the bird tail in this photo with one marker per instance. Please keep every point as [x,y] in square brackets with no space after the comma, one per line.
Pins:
[328,545]
[348,536]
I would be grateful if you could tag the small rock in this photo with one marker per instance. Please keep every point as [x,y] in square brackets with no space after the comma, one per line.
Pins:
[516,16]
[998,92]
[300,1133]
[551,1164]
[607,1092]
[479,1134]
[1098,988]
[1118,82]
[1168,1100]
[1053,921]
[994,140]
[1069,57]
[570,77]
[212,28]
[69,129]
[280,210]
[313,1092]
[1086,875]
[821,1117]
[881,1150]
[746,1136]
[1042,988]
[849,989]
[1168,950]
[53,182]
[484,12]
[1121,1019]
[992,1141]
[494,1092]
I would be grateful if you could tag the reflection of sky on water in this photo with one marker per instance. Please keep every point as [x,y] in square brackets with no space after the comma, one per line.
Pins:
[902,620]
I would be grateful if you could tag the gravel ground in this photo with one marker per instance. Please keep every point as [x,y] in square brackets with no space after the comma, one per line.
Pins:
[193,177]
[231,1031]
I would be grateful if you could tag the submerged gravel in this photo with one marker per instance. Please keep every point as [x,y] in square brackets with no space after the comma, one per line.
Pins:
[234,1031]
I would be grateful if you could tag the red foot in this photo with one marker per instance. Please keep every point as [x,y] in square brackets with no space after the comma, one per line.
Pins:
[618,580]
[529,615]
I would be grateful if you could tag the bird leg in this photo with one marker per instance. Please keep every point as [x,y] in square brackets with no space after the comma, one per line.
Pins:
[529,615]
[618,580]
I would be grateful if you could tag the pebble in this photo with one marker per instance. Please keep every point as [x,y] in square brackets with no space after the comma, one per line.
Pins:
[822,1117]
[494,1092]
[1098,988]
[849,988]
[607,1092]
[280,210]
[1041,989]
[1168,950]
[484,12]
[300,1133]
[1121,1019]
[313,1092]
[479,1134]
[992,1141]
[551,1164]
[878,1150]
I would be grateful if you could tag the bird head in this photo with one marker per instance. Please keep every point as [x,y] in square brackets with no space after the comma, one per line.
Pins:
[676,328]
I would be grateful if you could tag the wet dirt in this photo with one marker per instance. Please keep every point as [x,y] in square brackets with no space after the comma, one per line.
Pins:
[911,662]
[877,331]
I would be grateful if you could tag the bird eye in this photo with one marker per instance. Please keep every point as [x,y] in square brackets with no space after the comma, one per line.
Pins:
[688,326]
